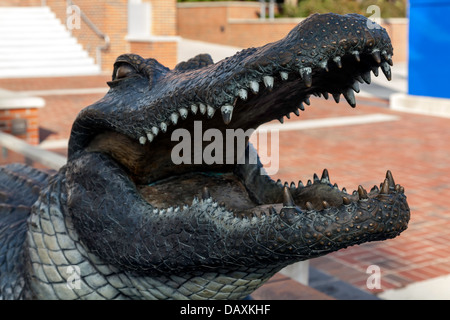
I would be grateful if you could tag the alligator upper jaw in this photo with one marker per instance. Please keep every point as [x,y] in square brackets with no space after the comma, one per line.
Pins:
[259,90]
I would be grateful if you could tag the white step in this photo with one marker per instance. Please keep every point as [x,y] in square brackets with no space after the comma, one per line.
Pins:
[23,13]
[49,72]
[42,63]
[34,43]
[30,22]
[42,55]
[25,29]
[25,10]
[54,48]
[51,34]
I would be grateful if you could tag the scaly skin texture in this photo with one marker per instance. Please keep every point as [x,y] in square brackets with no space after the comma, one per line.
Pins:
[122,221]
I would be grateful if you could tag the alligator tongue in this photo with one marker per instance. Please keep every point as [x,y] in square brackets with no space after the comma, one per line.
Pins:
[178,191]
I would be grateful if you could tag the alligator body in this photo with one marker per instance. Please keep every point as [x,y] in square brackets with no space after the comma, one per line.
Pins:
[121,220]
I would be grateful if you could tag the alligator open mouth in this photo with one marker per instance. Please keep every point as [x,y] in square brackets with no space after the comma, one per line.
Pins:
[132,132]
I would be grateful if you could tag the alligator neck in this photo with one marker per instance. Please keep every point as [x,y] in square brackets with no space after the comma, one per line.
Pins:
[63,268]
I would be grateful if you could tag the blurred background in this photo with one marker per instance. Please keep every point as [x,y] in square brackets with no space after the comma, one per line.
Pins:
[56,56]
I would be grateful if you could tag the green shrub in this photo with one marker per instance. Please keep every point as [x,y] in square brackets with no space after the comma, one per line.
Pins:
[388,8]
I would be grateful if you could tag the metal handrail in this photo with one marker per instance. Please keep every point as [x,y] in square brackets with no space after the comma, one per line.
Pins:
[31,153]
[96,30]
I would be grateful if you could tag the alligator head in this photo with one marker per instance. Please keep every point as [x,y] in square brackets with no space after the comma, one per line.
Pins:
[142,212]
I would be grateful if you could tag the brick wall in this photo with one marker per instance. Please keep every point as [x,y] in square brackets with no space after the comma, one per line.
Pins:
[30,115]
[164,17]
[222,23]
[20,3]
[166,51]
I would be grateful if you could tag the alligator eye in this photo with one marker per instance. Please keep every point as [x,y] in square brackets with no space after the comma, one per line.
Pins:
[124,71]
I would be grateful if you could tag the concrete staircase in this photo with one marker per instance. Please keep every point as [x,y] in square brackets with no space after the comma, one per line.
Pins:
[34,43]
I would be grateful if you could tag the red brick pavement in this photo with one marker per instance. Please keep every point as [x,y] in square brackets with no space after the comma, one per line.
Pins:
[416,149]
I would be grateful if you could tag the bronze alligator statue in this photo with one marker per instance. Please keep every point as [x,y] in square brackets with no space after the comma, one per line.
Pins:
[121,220]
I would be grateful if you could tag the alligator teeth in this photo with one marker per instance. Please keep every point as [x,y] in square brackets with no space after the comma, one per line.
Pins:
[385,187]
[376,56]
[355,86]
[307,101]
[337,97]
[296,112]
[292,185]
[324,65]
[210,111]
[202,108]
[174,118]
[287,115]
[284,75]
[254,85]
[281,120]
[309,206]
[387,57]
[183,113]
[346,200]
[362,193]
[155,131]
[338,62]
[325,95]
[142,140]
[386,70]
[306,74]
[316,178]
[325,177]
[268,81]
[350,97]
[359,79]
[390,179]
[287,198]
[163,126]
[194,108]
[243,94]
[366,77]
[375,71]
[300,184]
[227,113]
[301,107]
[205,193]
[150,137]
[325,205]
[356,55]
